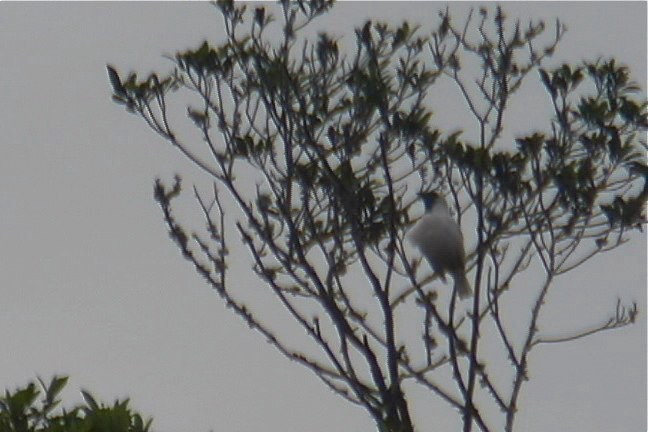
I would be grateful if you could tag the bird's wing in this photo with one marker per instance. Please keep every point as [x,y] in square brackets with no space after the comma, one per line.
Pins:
[440,241]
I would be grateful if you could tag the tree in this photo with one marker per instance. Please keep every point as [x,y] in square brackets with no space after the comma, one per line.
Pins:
[323,148]
[22,411]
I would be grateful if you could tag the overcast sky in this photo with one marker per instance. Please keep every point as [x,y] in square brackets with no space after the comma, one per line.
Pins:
[91,286]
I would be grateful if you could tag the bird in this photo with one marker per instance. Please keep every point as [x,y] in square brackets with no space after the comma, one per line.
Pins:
[438,236]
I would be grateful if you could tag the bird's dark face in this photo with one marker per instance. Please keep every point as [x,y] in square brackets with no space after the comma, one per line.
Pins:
[429,198]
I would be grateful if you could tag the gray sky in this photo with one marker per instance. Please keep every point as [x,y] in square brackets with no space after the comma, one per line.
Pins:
[91,286]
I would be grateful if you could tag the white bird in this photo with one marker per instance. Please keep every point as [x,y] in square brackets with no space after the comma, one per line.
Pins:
[439,239]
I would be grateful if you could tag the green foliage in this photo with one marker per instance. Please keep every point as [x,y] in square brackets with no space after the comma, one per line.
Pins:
[338,137]
[35,408]
[598,141]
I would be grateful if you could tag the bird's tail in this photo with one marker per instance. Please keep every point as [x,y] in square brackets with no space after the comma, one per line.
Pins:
[462,286]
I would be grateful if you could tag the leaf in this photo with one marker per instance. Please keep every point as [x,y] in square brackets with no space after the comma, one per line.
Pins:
[115,81]
[614,144]
[259,15]
[22,398]
[55,387]
[366,32]
[544,76]
[90,401]
[445,26]
[530,144]
[200,119]
[638,168]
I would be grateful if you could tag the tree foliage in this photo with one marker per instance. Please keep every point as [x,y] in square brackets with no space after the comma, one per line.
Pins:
[323,143]
[35,408]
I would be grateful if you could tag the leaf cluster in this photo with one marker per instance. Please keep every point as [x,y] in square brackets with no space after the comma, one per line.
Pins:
[35,408]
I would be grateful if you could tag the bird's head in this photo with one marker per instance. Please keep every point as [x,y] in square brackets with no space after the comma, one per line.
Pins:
[431,200]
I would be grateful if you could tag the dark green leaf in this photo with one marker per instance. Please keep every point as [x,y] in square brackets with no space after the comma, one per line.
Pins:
[117,86]
[90,401]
